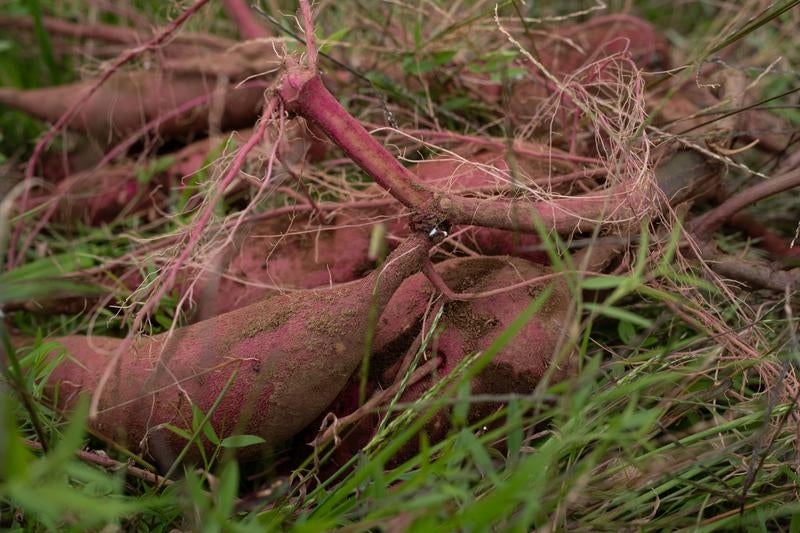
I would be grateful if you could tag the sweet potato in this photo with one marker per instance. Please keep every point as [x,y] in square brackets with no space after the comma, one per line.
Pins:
[684,111]
[98,195]
[564,51]
[183,44]
[569,48]
[468,327]
[473,325]
[130,99]
[278,254]
[285,359]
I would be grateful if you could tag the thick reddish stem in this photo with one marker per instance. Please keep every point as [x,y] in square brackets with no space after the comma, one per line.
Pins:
[303,93]
[308,27]
[705,225]
[565,216]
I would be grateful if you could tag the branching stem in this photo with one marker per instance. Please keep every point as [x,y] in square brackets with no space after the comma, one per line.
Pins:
[304,93]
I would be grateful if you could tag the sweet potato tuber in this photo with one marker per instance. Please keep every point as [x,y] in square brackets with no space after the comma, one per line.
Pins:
[686,111]
[286,358]
[468,327]
[129,99]
[571,47]
[98,195]
[183,44]
[472,326]
[276,254]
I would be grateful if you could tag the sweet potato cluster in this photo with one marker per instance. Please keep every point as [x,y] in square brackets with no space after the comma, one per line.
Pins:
[300,305]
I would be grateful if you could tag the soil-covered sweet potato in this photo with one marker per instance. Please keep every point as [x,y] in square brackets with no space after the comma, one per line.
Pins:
[286,358]
[468,327]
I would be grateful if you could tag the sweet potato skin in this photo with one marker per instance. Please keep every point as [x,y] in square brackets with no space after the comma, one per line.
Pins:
[466,327]
[266,260]
[131,99]
[472,326]
[97,195]
[286,359]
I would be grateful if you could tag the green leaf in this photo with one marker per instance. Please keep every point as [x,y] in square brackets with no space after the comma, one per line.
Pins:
[43,39]
[178,431]
[461,408]
[241,441]
[515,436]
[228,488]
[626,331]
[32,290]
[153,168]
[598,283]
[493,62]
[207,429]
[14,456]
[444,56]
[480,455]
[377,242]
[619,314]
[459,102]
[49,267]
[333,38]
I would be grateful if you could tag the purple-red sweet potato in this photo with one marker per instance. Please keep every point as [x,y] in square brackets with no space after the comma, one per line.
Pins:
[285,359]
[565,51]
[471,326]
[131,99]
[182,44]
[684,111]
[466,328]
[279,254]
[98,195]
[569,48]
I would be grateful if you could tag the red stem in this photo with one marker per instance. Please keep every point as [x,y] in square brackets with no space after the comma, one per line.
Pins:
[308,28]
[705,225]
[303,93]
